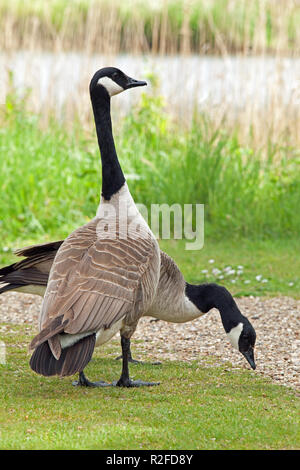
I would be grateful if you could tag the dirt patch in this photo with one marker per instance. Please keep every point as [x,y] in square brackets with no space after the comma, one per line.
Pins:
[276,321]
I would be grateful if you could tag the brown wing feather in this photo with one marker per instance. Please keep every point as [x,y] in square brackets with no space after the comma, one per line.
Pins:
[95,282]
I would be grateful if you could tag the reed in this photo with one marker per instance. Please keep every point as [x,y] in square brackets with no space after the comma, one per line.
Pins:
[273,123]
[161,27]
[166,27]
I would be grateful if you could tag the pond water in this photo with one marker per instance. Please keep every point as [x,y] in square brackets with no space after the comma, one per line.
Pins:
[231,83]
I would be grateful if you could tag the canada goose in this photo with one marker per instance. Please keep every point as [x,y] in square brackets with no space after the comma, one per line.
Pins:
[175,301]
[105,273]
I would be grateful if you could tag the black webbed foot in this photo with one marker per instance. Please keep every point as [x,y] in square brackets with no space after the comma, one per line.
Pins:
[124,380]
[84,382]
[133,383]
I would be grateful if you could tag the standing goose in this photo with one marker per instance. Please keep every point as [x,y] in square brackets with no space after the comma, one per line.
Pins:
[105,273]
[176,300]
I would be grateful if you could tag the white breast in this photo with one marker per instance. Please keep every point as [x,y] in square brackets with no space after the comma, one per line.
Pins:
[102,336]
[121,209]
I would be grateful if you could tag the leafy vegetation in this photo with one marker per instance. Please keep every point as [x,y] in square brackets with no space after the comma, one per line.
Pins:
[50,179]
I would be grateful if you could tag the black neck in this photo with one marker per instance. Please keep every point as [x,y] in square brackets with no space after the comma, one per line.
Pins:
[208,296]
[112,175]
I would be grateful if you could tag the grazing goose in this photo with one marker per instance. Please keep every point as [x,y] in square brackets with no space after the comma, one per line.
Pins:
[105,274]
[175,301]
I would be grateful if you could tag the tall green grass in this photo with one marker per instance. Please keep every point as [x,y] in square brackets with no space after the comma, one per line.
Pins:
[50,179]
[244,192]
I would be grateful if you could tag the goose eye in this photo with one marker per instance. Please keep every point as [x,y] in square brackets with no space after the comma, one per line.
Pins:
[114,75]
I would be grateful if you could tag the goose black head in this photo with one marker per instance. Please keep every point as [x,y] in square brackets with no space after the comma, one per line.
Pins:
[238,328]
[112,81]
[242,337]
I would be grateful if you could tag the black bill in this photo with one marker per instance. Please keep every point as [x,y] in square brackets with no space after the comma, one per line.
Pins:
[131,83]
[249,355]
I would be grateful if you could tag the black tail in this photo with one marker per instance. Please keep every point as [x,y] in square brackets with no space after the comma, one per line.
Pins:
[33,270]
[14,278]
[8,287]
[7,269]
[72,359]
[4,272]
[34,251]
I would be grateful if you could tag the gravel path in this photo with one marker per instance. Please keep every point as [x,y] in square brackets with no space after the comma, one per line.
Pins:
[276,321]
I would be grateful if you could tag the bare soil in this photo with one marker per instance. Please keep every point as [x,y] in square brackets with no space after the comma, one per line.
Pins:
[276,321]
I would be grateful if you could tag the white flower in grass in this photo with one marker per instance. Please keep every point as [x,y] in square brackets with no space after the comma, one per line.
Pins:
[204,271]
[264,280]
[216,271]
[247,281]
[240,267]
[221,277]
[233,281]
[211,261]
[230,272]
[291,284]
[258,278]
[228,268]
[239,272]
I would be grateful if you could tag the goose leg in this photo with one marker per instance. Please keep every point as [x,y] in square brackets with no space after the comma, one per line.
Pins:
[130,358]
[134,361]
[124,380]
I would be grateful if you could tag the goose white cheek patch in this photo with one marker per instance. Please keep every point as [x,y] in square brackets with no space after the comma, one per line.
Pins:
[234,335]
[112,87]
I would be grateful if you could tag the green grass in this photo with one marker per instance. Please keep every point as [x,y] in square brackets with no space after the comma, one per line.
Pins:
[194,407]
[50,180]
[262,268]
[273,261]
